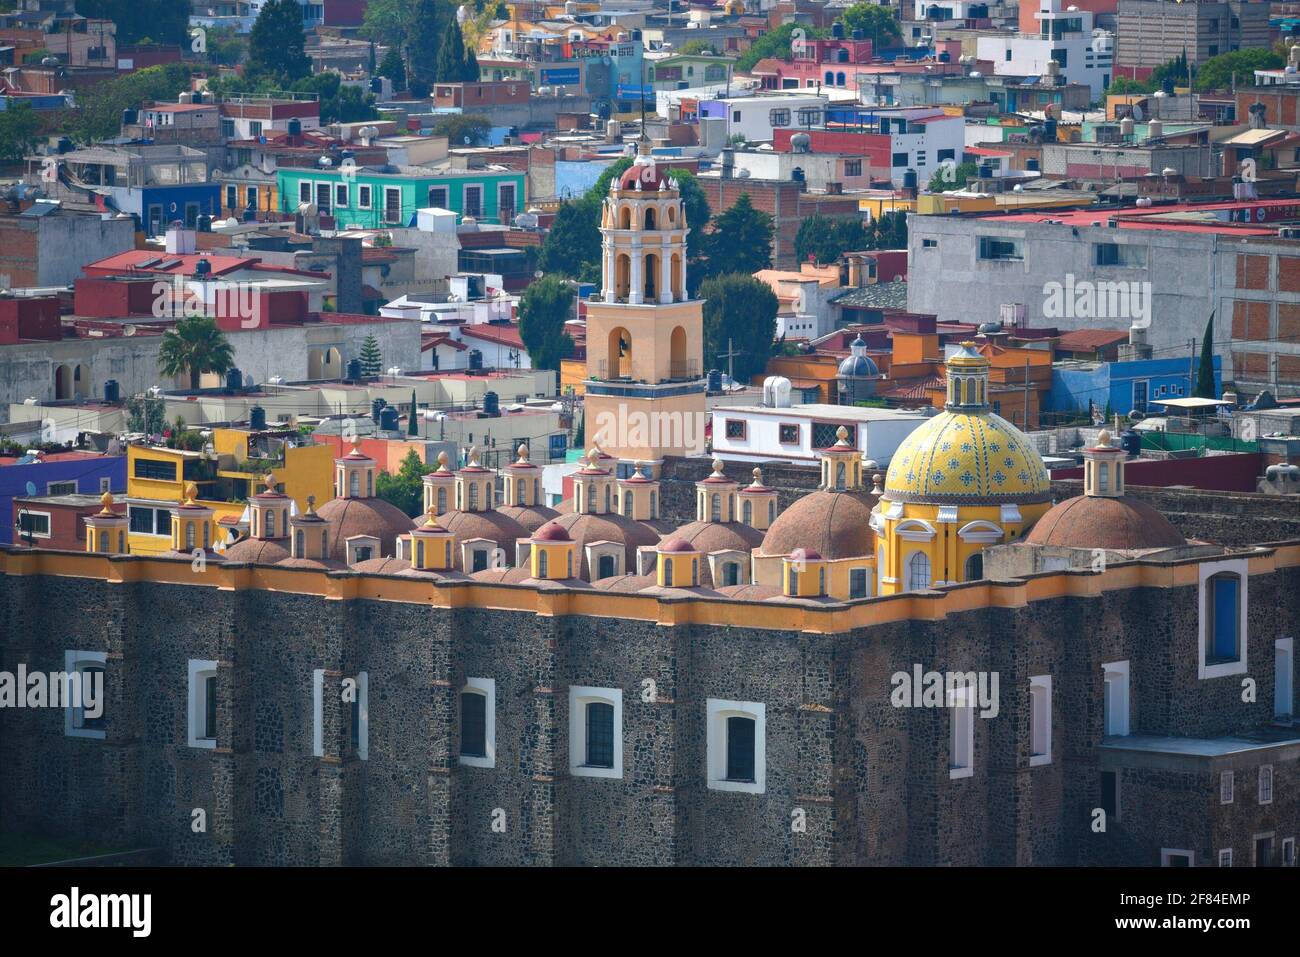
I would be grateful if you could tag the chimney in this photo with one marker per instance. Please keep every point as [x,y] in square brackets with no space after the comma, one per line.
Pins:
[855,272]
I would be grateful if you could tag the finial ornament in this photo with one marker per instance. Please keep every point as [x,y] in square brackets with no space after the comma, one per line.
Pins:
[311,504]
[269,481]
[107,501]
[191,493]
[523,453]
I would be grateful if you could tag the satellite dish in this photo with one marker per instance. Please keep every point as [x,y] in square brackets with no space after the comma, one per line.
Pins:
[31,488]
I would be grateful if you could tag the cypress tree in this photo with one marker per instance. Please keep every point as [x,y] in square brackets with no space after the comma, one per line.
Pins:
[1205,371]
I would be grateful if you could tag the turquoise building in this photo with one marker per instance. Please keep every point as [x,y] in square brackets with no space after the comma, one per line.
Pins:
[371,197]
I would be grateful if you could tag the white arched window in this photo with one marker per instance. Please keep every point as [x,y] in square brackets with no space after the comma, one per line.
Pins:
[918,572]
[747,513]
[442,500]
[715,509]
[354,485]
[541,563]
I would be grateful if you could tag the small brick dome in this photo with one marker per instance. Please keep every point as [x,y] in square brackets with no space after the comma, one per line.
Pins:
[1089,521]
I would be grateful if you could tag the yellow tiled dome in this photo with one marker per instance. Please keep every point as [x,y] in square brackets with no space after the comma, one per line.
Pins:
[967,454]
[967,457]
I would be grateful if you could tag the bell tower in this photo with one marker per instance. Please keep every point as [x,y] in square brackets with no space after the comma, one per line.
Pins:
[645,335]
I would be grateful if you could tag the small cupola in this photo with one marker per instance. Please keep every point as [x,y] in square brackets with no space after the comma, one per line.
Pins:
[638,496]
[803,574]
[439,486]
[1103,468]
[550,553]
[354,475]
[678,564]
[593,487]
[841,464]
[431,546]
[968,380]
[523,484]
[191,523]
[715,496]
[474,485]
[756,503]
[106,529]
[308,534]
[269,512]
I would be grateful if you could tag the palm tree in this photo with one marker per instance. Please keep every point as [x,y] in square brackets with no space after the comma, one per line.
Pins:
[195,345]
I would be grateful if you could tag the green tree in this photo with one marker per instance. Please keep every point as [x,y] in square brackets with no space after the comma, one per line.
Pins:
[392,67]
[388,22]
[889,232]
[146,414]
[878,23]
[225,46]
[502,12]
[776,44]
[740,240]
[692,47]
[195,345]
[944,181]
[413,423]
[425,41]
[455,64]
[826,238]
[405,490]
[99,108]
[741,311]
[1217,72]
[463,129]
[372,360]
[543,309]
[572,245]
[20,128]
[1205,371]
[276,44]
[339,103]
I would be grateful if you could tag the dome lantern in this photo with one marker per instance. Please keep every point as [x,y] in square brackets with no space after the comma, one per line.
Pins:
[757,503]
[438,487]
[968,379]
[841,464]
[106,529]
[1103,468]
[638,496]
[715,497]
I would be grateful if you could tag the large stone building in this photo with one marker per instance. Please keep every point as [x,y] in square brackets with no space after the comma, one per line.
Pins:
[1119,692]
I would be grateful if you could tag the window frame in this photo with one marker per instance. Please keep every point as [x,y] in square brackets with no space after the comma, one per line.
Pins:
[74,663]
[487,689]
[1265,784]
[579,697]
[717,711]
[1227,787]
[1206,667]
[200,669]
[961,732]
[1040,696]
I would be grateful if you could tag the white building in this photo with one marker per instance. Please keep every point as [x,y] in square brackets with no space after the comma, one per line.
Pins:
[755,117]
[778,430]
[1066,38]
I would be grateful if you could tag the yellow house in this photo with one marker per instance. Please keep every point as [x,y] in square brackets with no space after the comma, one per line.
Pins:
[962,481]
[224,479]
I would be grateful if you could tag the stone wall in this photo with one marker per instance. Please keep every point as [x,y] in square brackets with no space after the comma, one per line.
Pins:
[851,779]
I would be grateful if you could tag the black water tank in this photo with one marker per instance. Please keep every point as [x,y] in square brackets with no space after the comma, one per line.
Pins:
[377,410]
[1131,441]
[909,179]
[354,369]
[112,392]
[859,34]
[491,404]
[295,127]
[1049,129]
[257,418]
[234,379]
[388,419]
[65,144]
[837,30]
[205,224]
[475,359]
[986,171]
[1031,165]
[130,117]
[796,174]
[714,383]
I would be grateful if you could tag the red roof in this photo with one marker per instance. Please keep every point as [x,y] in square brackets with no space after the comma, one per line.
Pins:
[504,334]
[131,260]
[441,339]
[1086,340]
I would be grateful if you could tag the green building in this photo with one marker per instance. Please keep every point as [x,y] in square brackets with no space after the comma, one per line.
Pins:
[372,197]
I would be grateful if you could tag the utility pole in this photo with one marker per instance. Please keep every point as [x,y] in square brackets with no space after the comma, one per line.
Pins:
[1026,422]
[1191,367]
[730,356]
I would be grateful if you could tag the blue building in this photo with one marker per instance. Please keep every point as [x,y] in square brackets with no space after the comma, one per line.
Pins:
[1123,386]
[57,473]
[158,184]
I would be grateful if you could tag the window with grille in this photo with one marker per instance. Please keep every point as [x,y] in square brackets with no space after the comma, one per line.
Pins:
[473,724]
[600,735]
[740,749]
